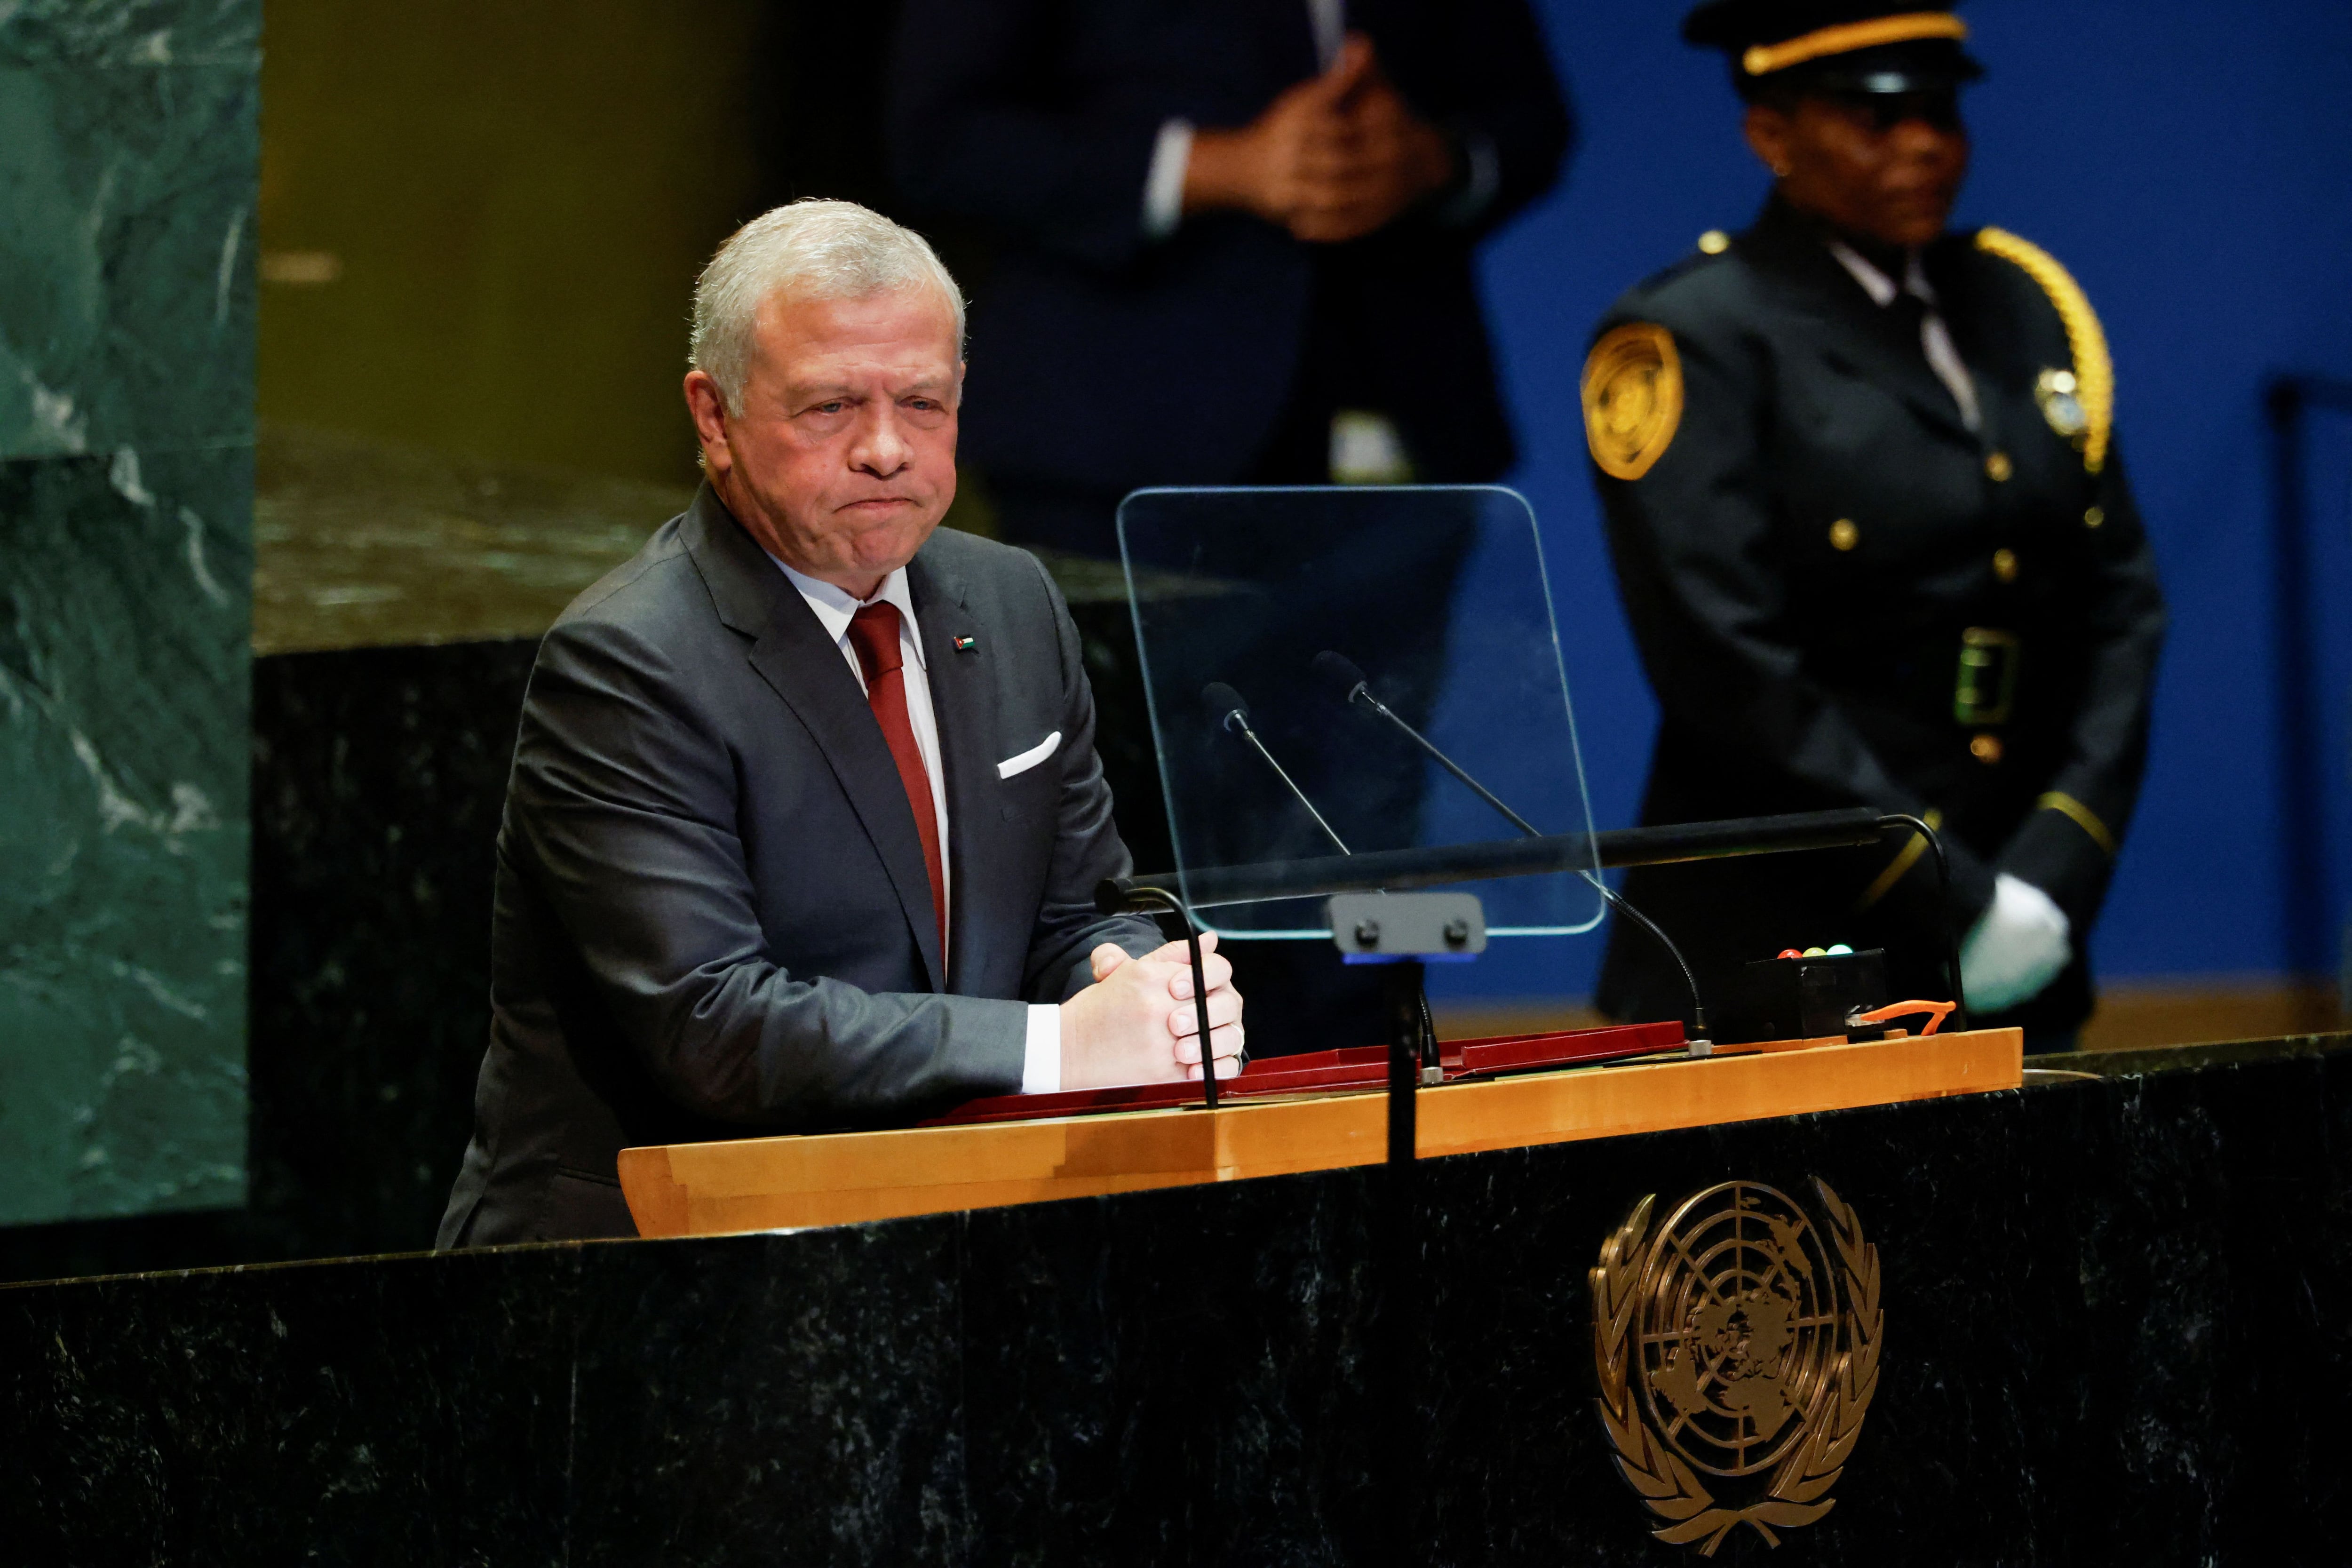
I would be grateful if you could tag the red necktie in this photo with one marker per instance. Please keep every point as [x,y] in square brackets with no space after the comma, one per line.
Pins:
[874,634]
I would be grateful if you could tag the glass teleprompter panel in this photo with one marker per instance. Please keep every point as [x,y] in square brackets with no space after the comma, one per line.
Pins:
[1291,638]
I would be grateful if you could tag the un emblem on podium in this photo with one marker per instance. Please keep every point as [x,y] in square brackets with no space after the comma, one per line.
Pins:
[1738,1346]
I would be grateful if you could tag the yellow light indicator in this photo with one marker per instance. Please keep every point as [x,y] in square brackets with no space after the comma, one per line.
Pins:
[1997,467]
[1715,242]
[2004,565]
[2093,516]
[1843,535]
[1986,749]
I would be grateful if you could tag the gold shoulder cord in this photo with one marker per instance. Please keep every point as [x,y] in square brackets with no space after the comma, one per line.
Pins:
[2095,373]
[2082,815]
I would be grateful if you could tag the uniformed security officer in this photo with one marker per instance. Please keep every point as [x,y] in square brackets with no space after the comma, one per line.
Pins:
[1874,541]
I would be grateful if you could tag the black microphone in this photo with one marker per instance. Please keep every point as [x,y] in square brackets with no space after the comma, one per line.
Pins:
[1231,714]
[1349,684]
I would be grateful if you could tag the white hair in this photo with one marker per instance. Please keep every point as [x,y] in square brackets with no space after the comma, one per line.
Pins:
[826,249]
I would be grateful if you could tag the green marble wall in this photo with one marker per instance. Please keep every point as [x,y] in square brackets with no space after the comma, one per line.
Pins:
[128,181]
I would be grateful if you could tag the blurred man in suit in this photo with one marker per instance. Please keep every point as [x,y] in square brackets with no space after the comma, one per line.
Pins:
[1246,225]
[806,819]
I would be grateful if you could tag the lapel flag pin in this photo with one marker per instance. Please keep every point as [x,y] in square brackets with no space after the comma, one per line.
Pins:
[965,645]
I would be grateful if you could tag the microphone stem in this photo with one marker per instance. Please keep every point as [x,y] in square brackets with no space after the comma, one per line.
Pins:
[1428,1044]
[1944,888]
[1251,736]
[1690,981]
[1698,1008]
[1448,764]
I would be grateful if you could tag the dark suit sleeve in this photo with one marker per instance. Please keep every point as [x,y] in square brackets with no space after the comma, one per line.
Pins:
[623,808]
[979,129]
[1704,588]
[1087,845]
[2068,846]
[1490,83]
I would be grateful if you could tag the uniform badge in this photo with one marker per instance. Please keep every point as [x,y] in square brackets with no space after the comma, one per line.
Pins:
[2057,393]
[1737,1352]
[1633,398]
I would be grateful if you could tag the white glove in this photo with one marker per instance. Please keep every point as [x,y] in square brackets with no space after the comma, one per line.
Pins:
[2017,949]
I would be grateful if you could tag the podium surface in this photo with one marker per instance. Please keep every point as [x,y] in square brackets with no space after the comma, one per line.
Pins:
[765,1184]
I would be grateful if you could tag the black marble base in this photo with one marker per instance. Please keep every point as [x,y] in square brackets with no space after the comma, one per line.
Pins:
[378,777]
[2118,1317]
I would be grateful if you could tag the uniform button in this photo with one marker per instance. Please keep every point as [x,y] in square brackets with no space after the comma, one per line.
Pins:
[1985,748]
[2004,565]
[1843,535]
[1715,242]
[1997,467]
[2095,516]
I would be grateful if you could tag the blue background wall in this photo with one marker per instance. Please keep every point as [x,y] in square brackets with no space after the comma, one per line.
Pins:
[2192,165]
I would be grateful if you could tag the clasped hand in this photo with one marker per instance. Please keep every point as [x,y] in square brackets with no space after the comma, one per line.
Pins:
[1334,158]
[1138,1024]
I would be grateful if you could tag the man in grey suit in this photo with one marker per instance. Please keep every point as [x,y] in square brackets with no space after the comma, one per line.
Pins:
[805,816]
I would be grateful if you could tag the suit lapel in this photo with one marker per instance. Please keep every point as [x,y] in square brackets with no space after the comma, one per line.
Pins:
[1866,339]
[1881,351]
[963,702]
[793,654]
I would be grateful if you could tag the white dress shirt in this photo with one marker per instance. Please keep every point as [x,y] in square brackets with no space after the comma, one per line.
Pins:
[1934,338]
[1041,1071]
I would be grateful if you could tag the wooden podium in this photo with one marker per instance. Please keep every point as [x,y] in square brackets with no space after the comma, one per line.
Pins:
[768,1184]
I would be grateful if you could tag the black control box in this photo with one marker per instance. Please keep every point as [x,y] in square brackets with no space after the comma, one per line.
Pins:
[1803,998]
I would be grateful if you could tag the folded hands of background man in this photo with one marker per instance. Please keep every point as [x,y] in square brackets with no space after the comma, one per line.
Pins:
[1334,158]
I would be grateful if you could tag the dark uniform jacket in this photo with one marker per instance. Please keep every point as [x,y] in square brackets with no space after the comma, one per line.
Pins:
[712,917]
[1038,120]
[1844,596]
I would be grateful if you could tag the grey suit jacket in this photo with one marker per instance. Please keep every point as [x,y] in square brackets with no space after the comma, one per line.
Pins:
[712,918]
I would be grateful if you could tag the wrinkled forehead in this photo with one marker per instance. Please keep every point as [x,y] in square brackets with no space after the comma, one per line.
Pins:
[898,335]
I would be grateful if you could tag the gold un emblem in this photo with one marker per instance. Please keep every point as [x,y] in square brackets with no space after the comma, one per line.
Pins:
[1738,1351]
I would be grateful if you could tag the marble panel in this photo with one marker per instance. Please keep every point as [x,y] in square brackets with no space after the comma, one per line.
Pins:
[124,704]
[128,318]
[1176,1377]
[404,1410]
[379,776]
[369,1000]
[2104,1327]
[134,33]
[788,1398]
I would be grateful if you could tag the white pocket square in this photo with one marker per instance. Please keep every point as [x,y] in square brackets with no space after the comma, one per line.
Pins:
[1030,758]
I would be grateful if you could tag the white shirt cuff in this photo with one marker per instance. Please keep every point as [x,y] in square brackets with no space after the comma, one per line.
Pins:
[1041,1066]
[1163,187]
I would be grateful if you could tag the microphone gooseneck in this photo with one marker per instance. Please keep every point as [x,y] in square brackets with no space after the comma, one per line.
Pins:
[1348,683]
[1231,714]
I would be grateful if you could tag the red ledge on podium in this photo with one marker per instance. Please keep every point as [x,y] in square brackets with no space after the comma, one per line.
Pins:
[1000,1152]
